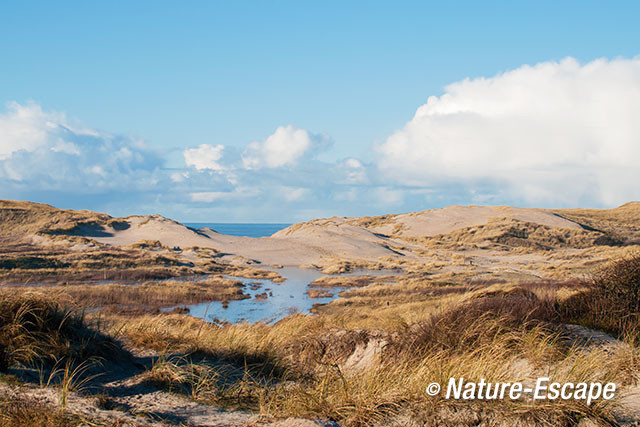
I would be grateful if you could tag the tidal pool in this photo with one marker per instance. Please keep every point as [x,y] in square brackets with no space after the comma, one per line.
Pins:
[283,298]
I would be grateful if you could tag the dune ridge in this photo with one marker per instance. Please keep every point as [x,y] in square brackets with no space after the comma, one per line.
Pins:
[357,238]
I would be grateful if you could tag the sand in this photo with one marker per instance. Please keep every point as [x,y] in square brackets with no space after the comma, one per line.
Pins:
[289,250]
[317,240]
[446,220]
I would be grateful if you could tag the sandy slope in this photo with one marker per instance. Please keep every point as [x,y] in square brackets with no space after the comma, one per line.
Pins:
[294,250]
[433,222]
[310,242]
[443,221]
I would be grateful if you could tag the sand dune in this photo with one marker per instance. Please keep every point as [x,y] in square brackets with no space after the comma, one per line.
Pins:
[433,222]
[294,250]
[310,242]
[359,238]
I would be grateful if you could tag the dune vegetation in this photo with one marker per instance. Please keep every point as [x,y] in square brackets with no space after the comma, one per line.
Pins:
[80,345]
[358,369]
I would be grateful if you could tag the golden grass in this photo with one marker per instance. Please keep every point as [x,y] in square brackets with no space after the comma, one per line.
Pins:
[35,328]
[305,356]
[17,218]
[18,411]
[46,265]
[480,302]
[302,366]
[146,296]
[319,293]
[621,222]
[342,282]
[253,273]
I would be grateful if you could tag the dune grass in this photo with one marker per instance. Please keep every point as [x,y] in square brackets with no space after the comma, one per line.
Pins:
[300,366]
[611,301]
[35,327]
[30,413]
[146,297]
[304,365]
[366,358]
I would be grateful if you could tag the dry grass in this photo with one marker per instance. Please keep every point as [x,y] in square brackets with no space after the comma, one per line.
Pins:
[35,328]
[253,273]
[490,336]
[55,265]
[333,265]
[210,382]
[621,223]
[611,301]
[461,309]
[17,411]
[303,365]
[319,293]
[143,297]
[507,234]
[19,218]
[342,282]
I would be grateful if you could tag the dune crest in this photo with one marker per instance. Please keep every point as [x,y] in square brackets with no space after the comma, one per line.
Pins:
[357,238]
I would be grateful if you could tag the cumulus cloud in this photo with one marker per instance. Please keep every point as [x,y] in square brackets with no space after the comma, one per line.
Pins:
[352,171]
[204,157]
[41,150]
[44,157]
[283,148]
[28,128]
[554,133]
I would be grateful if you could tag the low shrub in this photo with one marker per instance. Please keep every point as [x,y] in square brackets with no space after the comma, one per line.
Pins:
[612,301]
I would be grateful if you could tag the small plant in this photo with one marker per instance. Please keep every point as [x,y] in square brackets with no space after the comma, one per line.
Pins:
[212,383]
[70,377]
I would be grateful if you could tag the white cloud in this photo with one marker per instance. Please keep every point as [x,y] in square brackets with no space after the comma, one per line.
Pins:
[216,196]
[553,133]
[292,194]
[26,127]
[41,151]
[562,134]
[353,171]
[179,176]
[283,148]
[209,196]
[204,157]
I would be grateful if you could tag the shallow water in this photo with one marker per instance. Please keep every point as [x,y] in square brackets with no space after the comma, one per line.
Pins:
[288,297]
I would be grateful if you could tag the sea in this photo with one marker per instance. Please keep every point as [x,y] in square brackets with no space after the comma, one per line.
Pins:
[241,228]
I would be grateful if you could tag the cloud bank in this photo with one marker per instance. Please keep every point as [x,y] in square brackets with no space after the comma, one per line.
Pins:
[41,151]
[560,134]
[557,133]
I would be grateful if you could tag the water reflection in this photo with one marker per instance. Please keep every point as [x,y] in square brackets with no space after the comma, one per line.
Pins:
[281,299]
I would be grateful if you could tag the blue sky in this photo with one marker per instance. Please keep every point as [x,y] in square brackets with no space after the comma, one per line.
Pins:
[152,80]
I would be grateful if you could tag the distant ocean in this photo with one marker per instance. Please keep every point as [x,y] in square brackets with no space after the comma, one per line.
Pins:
[240,229]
